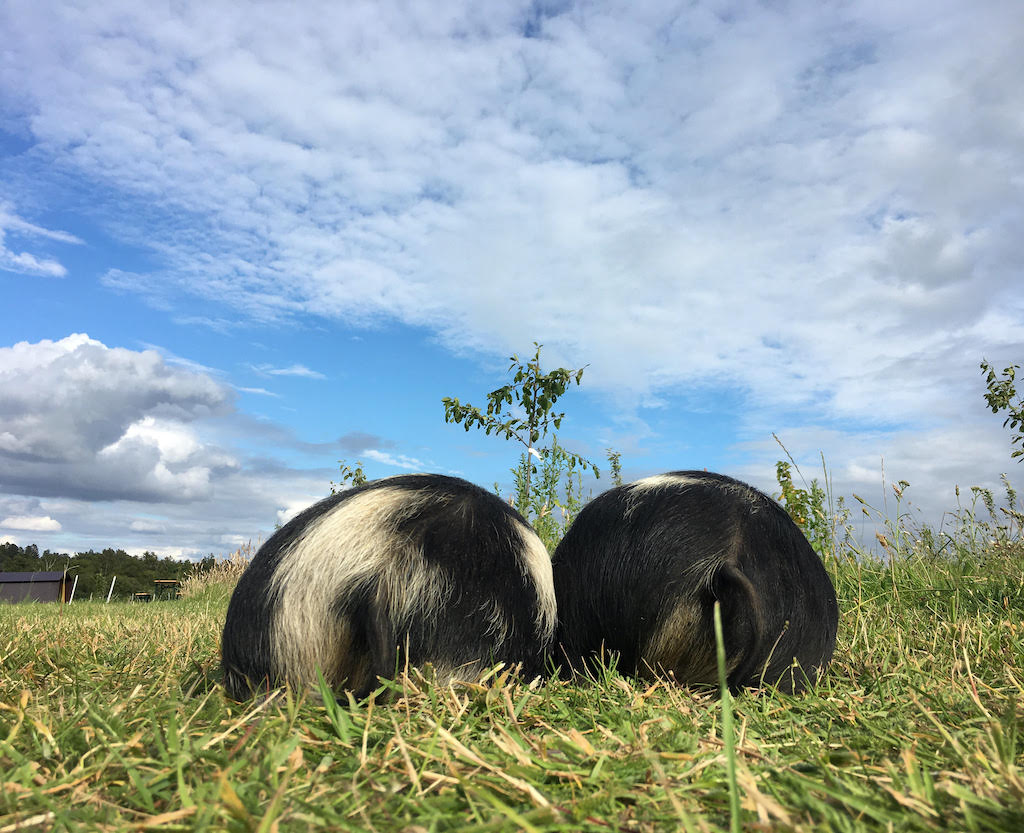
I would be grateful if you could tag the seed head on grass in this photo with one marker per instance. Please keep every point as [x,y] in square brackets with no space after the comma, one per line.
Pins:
[220,579]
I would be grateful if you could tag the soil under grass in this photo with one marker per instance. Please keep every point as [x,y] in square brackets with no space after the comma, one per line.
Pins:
[111,718]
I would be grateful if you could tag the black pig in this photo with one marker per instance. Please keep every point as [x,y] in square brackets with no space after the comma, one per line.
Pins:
[642,565]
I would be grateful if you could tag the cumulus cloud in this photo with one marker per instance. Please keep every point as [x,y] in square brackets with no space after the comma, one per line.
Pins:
[241,506]
[128,449]
[80,419]
[34,524]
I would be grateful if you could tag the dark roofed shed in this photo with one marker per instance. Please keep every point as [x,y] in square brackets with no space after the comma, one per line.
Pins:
[34,587]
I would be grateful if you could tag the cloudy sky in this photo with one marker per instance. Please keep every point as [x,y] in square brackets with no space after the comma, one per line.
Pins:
[241,242]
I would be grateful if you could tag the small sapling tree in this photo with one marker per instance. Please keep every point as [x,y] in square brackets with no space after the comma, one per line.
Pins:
[811,508]
[1002,396]
[615,462]
[805,506]
[549,506]
[523,411]
[349,476]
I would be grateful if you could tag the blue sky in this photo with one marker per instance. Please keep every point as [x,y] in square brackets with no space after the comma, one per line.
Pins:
[241,242]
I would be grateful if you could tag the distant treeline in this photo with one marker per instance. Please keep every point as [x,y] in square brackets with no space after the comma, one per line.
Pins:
[135,574]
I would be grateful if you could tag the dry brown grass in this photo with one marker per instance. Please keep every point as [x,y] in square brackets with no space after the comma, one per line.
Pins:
[222,577]
[112,719]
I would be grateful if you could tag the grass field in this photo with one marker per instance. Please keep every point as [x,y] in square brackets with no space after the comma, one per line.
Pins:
[111,718]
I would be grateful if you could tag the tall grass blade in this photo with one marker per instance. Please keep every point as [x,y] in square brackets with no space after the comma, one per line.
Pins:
[728,730]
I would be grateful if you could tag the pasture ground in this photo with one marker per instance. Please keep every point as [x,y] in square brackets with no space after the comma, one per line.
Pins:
[111,718]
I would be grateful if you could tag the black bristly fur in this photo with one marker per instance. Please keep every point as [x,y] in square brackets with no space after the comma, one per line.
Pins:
[462,533]
[636,559]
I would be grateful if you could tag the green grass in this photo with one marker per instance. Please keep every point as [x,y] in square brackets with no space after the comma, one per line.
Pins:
[111,718]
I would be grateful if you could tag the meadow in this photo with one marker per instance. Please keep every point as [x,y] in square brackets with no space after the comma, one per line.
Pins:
[112,718]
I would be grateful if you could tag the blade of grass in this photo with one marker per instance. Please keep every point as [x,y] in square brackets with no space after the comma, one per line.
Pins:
[728,730]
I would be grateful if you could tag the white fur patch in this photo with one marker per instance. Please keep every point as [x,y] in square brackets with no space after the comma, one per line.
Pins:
[351,544]
[662,481]
[537,567]
[358,542]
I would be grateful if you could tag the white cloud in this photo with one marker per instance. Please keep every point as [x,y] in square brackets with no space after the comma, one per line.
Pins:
[816,206]
[181,361]
[934,461]
[292,370]
[95,435]
[148,527]
[12,222]
[400,461]
[27,263]
[33,524]
[290,508]
[242,504]
[176,443]
[84,420]
[758,199]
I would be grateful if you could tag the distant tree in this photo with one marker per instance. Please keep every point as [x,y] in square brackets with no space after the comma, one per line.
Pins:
[94,570]
[1002,396]
[205,564]
[8,553]
[51,560]
[534,394]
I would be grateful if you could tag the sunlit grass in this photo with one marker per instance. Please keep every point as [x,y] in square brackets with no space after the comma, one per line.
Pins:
[111,718]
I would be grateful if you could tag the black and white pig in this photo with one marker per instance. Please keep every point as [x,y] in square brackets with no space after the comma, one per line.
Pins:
[413,569]
[642,565]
